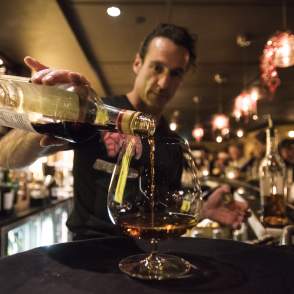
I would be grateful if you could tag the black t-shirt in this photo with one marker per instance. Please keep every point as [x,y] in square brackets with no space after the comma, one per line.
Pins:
[90,216]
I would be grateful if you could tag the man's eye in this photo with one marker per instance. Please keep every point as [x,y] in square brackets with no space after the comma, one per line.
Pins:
[158,68]
[177,73]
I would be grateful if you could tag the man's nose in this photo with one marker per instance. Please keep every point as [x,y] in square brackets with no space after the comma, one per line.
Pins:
[163,81]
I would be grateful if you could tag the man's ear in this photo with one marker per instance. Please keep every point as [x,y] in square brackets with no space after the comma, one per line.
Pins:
[137,64]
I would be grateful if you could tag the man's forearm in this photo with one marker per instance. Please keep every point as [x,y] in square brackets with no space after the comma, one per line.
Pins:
[19,148]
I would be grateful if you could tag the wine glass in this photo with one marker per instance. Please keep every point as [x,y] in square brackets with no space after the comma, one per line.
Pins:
[154,198]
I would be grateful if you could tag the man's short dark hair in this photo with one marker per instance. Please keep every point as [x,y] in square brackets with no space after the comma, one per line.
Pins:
[286,143]
[179,35]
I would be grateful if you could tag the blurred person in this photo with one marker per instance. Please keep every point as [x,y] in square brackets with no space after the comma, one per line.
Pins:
[286,150]
[236,155]
[251,166]
[236,161]
[220,163]
[160,65]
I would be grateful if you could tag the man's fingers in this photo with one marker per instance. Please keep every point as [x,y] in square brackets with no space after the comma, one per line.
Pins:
[38,76]
[56,77]
[34,64]
[50,76]
[78,79]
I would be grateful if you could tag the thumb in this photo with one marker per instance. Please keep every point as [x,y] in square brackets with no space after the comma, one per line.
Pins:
[34,64]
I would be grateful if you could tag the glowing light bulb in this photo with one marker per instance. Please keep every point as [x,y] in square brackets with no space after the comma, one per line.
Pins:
[291,134]
[219,139]
[173,126]
[240,133]
[113,11]
[198,133]
[284,55]
[220,121]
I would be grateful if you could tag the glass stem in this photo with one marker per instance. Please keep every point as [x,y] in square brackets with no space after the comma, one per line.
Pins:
[154,247]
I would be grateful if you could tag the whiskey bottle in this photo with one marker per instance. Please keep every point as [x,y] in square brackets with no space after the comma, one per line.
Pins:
[72,113]
[272,178]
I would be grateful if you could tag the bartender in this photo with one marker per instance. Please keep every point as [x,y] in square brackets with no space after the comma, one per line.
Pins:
[163,59]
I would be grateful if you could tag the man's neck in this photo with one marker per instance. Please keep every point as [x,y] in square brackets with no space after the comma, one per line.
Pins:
[139,105]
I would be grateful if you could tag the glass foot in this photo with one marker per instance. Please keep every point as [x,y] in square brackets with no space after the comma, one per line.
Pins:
[155,266]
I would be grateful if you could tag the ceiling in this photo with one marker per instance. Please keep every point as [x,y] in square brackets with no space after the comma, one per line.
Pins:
[79,35]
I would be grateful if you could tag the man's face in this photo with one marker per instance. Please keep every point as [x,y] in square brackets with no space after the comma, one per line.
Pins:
[287,154]
[234,152]
[160,74]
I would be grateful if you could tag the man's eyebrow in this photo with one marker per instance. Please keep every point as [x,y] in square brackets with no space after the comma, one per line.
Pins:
[155,62]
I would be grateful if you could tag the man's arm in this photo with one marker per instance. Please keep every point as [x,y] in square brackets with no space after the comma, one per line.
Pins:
[19,148]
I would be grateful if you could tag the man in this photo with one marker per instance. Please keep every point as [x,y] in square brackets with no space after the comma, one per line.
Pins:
[286,150]
[163,59]
[236,155]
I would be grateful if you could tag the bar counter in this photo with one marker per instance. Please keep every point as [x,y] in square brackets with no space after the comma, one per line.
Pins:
[91,266]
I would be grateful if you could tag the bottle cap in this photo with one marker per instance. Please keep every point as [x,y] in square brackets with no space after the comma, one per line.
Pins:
[134,122]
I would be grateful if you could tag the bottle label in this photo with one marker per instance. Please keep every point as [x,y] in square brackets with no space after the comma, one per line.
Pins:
[50,101]
[271,186]
[12,119]
[8,200]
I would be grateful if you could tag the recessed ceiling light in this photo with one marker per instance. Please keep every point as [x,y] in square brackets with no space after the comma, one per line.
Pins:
[291,134]
[219,139]
[173,126]
[240,133]
[113,11]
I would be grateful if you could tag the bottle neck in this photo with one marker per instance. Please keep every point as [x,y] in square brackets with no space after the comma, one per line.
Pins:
[135,123]
[271,141]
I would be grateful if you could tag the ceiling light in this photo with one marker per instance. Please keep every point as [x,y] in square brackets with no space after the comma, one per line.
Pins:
[173,126]
[284,49]
[220,121]
[219,139]
[198,133]
[225,131]
[243,41]
[291,134]
[245,104]
[113,11]
[240,133]
[1,62]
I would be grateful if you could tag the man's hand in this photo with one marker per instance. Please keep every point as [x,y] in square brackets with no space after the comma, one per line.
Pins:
[216,208]
[115,141]
[48,76]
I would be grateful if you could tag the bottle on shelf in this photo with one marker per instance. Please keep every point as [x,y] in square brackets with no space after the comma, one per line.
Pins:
[8,189]
[272,179]
[71,113]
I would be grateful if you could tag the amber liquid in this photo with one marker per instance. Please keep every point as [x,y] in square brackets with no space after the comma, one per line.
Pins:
[274,211]
[152,177]
[156,226]
[70,131]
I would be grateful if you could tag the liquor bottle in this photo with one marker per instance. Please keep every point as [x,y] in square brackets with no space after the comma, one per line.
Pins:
[272,179]
[8,189]
[71,113]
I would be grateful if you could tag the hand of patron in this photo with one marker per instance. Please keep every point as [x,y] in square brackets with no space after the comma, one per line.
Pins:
[115,141]
[232,213]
